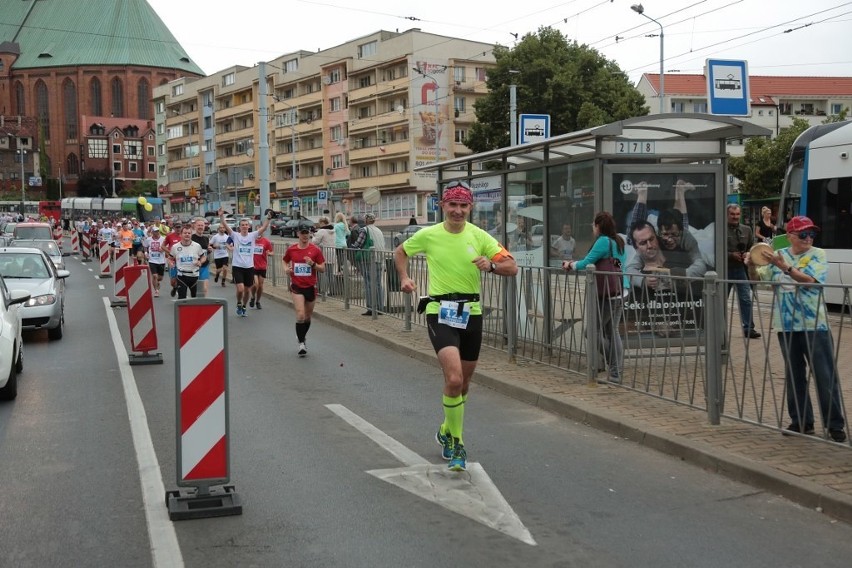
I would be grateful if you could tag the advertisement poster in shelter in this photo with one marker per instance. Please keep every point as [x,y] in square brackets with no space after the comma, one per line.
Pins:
[669,221]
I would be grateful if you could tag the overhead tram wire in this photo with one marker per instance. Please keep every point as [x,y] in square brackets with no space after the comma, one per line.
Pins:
[762,30]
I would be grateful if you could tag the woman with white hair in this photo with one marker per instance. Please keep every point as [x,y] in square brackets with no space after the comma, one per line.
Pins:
[765,228]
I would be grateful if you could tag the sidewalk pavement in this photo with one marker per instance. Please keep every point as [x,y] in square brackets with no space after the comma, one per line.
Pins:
[815,474]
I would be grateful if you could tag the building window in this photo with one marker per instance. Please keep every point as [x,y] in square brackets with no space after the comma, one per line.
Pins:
[116,167]
[160,107]
[334,76]
[117,97]
[43,109]
[481,74]
[151,166]
[459,104]
[291,66]
[228,79]
[336,133]
[69,102]
[150,150]
[72,164]
[143,95]
[161,171]
[836,108]
[760,113]
[132,149]
[133,167]
[337,161]
[20,108]
[177,90]
[367,49]
[460,136]
[699,107]
[365,81]
[458,74]
[161,149]
[95,96]
[334,104]
[116,148]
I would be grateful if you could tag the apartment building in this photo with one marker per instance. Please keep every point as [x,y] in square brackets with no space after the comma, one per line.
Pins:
[345,123]
[775,100]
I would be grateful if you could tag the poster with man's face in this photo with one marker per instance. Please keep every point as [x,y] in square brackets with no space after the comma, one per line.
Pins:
[669,223]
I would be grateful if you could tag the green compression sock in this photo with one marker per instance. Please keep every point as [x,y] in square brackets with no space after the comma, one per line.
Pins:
[454,416]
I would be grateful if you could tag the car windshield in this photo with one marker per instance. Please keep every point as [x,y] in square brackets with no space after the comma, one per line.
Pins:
[47,246]
[23,265]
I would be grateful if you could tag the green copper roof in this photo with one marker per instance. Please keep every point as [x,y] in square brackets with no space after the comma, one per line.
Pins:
[54,33]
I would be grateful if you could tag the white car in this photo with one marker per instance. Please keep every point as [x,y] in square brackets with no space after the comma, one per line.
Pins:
[30,269]
[11,344]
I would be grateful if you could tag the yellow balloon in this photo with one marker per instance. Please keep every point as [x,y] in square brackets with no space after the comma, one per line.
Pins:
[148,206]
[142,200]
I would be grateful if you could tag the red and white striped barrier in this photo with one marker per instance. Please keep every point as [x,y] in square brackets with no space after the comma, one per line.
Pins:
[75,242]
[86,247]
[140,313]
[105,271]
[202,411]
[121,261]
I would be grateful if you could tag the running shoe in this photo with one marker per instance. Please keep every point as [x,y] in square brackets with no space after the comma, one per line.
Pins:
[156,293]
[251,302]
[216,279]
[459,460]
[239,309]
[173,293]
[446,443]
[257,305]
[302,350]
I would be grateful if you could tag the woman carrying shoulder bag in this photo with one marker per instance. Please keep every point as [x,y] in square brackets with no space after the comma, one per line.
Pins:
[608,256]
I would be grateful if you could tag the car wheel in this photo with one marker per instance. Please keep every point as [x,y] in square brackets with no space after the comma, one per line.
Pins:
[56,332]
[10,391]
[19,364]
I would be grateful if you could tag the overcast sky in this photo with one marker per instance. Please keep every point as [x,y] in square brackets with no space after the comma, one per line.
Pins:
[218,33]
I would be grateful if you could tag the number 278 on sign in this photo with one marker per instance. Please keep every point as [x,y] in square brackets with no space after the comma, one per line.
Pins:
[634,147]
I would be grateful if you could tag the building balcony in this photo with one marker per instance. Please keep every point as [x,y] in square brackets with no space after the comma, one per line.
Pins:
[387,181]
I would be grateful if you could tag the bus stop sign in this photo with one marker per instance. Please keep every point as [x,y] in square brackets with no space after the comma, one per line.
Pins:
[728,92]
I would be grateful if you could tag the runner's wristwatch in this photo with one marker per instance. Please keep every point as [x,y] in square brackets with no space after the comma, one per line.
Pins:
[493,267]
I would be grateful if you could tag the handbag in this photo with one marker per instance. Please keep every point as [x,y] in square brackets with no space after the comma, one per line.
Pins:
[608,275]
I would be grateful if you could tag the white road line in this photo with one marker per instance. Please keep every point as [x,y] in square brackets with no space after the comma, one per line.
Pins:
[165,550]
[396,449]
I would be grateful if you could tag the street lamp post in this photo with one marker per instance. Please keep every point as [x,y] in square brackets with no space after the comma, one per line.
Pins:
[23,154]
[639,9]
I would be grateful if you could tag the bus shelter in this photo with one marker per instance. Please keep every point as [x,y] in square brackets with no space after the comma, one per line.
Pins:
[540,198]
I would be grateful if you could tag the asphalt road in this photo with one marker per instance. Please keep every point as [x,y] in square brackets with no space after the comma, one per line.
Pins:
[322,451]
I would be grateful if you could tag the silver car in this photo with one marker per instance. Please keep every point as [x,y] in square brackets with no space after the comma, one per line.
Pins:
[31,270]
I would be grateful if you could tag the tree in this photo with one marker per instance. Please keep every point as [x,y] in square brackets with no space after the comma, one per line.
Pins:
[761,169]
[97,183]
[574,84]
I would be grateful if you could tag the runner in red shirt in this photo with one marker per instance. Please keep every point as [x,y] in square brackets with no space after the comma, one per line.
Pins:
[302,261]
[262,250]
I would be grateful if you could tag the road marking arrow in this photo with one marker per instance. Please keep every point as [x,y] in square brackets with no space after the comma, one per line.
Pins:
[471,494]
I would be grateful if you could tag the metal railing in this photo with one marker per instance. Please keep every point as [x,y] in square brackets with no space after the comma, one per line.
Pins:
[682,341]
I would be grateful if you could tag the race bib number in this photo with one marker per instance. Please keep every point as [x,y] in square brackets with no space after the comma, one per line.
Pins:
[301,269]
[188,259]
[258,250]
[156,256]
[245,249]
[449,314]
